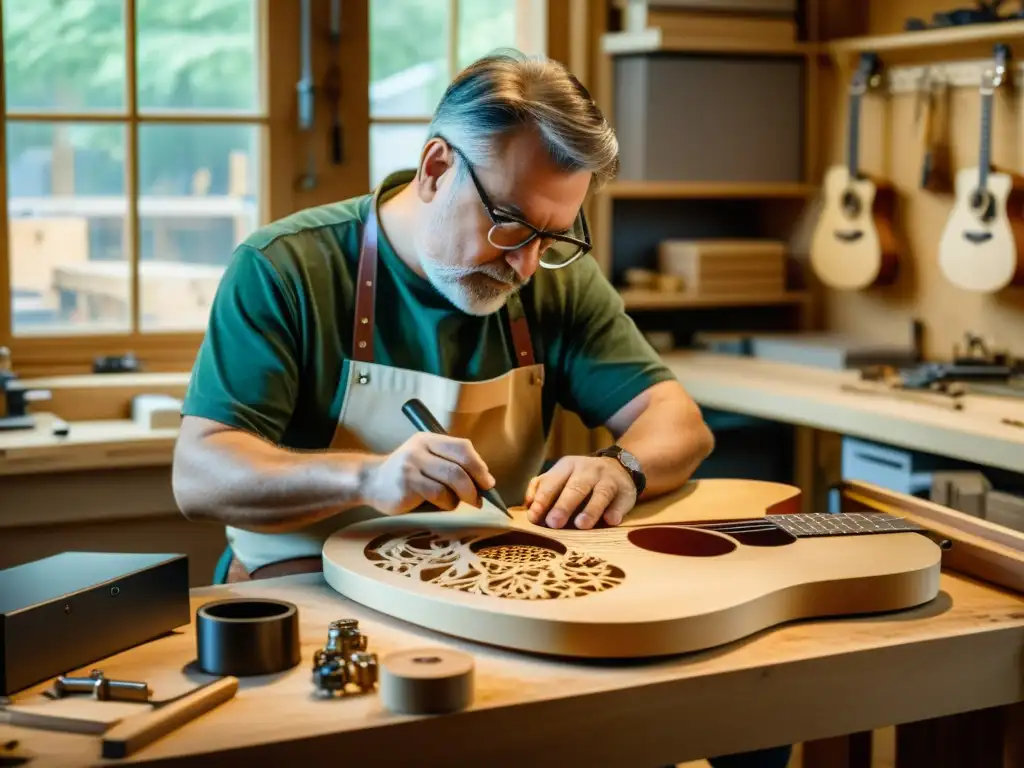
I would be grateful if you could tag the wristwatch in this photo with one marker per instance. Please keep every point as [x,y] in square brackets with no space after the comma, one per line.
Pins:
[627,460]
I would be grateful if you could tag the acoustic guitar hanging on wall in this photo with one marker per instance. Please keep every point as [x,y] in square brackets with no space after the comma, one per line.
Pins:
[983,238]
[712,563]
[854,244]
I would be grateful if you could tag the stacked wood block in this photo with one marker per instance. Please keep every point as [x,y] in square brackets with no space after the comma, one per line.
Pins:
[725,267]
[971,492]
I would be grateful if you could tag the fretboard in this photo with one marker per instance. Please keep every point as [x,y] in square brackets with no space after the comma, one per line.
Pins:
[984,154]
[853,137]
[842,524]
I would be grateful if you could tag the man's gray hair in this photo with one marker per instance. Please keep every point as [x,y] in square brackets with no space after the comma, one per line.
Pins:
[506,91]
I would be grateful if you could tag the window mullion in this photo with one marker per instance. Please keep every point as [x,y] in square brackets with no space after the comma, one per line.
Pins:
[132,235]
[6,299]
[453,39]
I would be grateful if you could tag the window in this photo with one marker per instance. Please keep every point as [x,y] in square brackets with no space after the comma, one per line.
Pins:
[133,133]
[417,47]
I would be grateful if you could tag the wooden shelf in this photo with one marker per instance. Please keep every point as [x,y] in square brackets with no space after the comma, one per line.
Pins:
[655,39]
[932,44]
[648,190]
[638,299]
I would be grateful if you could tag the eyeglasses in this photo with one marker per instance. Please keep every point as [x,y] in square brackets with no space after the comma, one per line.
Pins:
[509,232]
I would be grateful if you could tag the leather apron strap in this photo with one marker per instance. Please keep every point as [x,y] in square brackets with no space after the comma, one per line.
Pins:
[366,291]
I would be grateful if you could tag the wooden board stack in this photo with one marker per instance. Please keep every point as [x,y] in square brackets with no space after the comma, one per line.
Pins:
[725,267]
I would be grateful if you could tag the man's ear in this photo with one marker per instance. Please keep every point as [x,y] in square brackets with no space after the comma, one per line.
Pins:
[435,161]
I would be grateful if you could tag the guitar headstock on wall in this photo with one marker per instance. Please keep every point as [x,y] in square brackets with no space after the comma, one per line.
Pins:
[854,244]
[983,239]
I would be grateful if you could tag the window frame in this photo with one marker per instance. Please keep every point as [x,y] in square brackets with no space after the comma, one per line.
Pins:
[532,24]
[46,354]
[283,156]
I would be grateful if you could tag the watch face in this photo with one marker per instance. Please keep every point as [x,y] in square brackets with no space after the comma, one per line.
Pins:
[629,460]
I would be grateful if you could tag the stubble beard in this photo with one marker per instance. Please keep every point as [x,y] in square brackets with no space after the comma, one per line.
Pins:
[480,290]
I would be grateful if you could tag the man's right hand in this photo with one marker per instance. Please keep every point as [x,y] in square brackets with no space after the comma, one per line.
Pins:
[434,468]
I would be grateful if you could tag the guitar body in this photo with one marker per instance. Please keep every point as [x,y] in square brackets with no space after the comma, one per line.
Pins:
[984,237]
[854,244]
[704,566]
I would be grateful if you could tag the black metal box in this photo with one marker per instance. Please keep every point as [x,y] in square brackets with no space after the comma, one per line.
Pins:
[73,609]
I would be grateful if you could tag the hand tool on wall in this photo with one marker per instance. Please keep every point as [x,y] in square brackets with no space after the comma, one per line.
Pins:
[932,110]
[307,94]
[332,86]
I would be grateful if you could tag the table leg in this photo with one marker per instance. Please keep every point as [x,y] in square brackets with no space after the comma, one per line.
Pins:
[853,751]
[985,738]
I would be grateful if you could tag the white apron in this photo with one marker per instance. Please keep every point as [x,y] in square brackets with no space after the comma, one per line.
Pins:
[503,417]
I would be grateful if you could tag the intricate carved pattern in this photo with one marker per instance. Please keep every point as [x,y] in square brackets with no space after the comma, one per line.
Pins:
[516,565]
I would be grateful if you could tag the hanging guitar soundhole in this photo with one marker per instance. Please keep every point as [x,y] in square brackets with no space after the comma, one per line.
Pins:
[982,204]
[680,541]
[851,204]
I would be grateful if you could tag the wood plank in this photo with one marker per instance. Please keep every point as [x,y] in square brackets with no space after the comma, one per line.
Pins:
[88,445]
[654,190]
[942,38]
[638,298]
[660,39]
[780,684]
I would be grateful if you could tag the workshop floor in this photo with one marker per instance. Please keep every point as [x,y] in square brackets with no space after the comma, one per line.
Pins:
[883,752]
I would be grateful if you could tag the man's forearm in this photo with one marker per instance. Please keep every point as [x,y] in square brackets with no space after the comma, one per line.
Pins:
[233,478]
[670,440]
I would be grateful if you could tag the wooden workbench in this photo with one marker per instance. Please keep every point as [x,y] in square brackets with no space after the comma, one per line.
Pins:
[804,681]
[813,397]
[800,395]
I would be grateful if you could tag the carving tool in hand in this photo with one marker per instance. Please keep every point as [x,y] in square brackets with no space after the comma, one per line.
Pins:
[424,421]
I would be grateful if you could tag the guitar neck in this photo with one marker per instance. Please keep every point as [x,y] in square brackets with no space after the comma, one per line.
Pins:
[845,524]
[853,136]
[809,525]
[985,151]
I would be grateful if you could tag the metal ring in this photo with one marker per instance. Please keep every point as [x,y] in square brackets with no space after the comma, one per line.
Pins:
[247,636]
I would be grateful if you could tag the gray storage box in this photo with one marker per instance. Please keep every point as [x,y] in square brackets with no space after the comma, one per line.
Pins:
[692,117]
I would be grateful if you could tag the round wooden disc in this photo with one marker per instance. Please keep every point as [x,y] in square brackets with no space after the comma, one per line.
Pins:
[426,681]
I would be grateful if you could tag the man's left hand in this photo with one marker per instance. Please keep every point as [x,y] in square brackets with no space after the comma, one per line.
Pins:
[602,482]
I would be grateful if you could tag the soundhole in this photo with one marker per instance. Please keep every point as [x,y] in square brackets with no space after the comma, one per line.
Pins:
[982,204]
[764,537]
[684,542]
[851,203]
[518,547]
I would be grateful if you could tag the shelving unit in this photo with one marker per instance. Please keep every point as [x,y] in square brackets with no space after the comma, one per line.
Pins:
[656,201]
[961,42]
[656,39]
[636,299]
[706,190]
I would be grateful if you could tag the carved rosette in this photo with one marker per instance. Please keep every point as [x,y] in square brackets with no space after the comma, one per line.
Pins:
[516,565]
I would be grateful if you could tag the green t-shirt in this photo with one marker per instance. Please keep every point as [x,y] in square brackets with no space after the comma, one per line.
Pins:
[279,338]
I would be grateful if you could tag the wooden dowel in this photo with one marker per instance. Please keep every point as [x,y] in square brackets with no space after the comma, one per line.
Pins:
[138,731]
